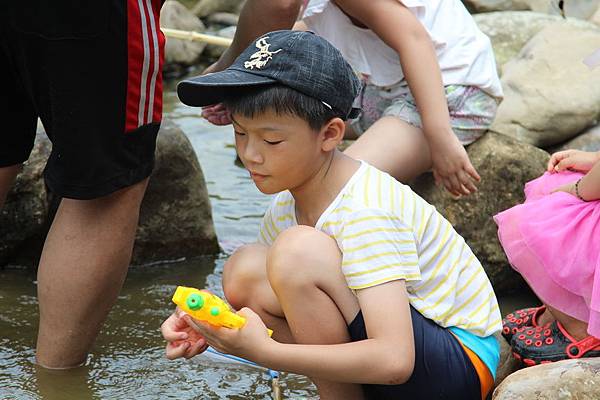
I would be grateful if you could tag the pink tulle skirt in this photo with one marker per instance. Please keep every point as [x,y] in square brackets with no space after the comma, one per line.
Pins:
[553,241]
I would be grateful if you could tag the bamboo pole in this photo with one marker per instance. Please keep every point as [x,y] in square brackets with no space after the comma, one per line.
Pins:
[197,37]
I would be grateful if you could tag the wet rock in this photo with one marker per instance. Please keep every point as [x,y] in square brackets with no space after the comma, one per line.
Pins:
[206,7]
[505,165]
[508,364]
[550,95]
[174,15]
[175,218]
[587,141]
[569,379]
[23,217]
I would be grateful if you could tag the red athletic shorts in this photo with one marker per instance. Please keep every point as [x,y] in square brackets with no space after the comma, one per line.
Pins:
[91,71]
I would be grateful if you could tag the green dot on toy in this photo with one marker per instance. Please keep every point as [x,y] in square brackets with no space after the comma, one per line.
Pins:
[195,301]
[214,311]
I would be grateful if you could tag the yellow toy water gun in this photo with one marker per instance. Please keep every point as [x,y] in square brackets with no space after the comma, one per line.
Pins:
[205,306]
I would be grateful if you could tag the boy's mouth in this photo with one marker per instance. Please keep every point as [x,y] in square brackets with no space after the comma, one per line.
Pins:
[256,176]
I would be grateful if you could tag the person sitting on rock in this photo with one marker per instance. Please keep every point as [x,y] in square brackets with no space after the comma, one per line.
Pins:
[430,84]
[553,241]
[362,281]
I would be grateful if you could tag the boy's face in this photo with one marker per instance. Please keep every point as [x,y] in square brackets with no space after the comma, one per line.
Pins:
[280,151]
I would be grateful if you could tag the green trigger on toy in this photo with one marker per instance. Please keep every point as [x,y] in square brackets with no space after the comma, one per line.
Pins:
[214,311]
[195,301]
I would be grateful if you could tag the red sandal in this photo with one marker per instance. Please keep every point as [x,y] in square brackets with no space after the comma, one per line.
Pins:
[517,321]
[541,345]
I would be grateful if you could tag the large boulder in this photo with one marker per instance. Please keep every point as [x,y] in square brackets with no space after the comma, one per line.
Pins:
[582,9]
[587,141]
[505,166]
[550,94]
[510,30]
[568,379]
[175,219]
[23,217]
[174,15]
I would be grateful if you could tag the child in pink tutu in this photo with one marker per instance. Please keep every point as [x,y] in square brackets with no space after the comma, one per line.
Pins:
[553,241]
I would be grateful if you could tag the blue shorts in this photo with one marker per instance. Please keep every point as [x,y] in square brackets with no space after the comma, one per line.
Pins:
[442,368]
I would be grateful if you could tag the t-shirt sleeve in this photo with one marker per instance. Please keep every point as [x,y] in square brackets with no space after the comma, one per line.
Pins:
[377,248]
[266,233]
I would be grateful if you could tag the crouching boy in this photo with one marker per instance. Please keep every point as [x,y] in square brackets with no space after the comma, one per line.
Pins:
[369,290]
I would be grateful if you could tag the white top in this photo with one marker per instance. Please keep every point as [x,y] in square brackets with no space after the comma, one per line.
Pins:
[387,232]
[464,53]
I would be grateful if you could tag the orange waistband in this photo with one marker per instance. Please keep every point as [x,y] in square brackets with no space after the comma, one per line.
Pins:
[485,376]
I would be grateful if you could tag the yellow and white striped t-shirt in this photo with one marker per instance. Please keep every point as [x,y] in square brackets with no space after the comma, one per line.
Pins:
[385,232]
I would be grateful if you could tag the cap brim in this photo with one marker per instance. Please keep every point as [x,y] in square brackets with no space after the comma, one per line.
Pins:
[210,89]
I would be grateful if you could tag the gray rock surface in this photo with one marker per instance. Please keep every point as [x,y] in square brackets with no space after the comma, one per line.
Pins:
[589,140]
[581,9]
[174,15]
[510,30]
[205,8]
[563,380]
[505,166]
[550,95]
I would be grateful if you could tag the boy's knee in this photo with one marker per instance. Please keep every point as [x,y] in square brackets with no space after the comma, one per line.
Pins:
[242,272]
[297,254]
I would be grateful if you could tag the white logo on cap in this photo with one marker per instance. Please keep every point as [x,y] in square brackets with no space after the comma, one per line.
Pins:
[262,56]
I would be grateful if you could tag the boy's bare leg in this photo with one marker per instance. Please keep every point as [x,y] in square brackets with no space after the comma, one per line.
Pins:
[245,284]
[7,177]
[393,146]
[82,269]
[313,293]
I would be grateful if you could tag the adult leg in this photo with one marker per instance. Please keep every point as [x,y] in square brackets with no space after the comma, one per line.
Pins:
[7,177]
[394,146]
[313,293]
[82,268]
[245,284]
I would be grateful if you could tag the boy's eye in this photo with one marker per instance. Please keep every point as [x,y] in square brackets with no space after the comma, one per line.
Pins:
[239,133]
[274,143]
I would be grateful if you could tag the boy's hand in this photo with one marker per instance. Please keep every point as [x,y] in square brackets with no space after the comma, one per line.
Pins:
[247,342]
[452,167]
[576,160]
[216,114]
[182,339]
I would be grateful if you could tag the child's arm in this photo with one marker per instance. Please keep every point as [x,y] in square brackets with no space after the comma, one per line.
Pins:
[387,357]
[399,29]
[589,185]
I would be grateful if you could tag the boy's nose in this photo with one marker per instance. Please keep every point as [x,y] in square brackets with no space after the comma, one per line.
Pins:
[251,153]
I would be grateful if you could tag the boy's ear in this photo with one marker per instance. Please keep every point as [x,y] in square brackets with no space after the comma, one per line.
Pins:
[333,134]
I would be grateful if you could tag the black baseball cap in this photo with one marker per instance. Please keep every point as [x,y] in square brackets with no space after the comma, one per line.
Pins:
[300,60]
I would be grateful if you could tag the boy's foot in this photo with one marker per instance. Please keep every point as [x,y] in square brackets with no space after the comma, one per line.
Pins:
[540,345]
[519,320]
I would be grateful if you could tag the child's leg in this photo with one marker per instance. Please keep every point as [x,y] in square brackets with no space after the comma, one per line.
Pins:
[394,146]
[245,284]
[575,327]
[313,293]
